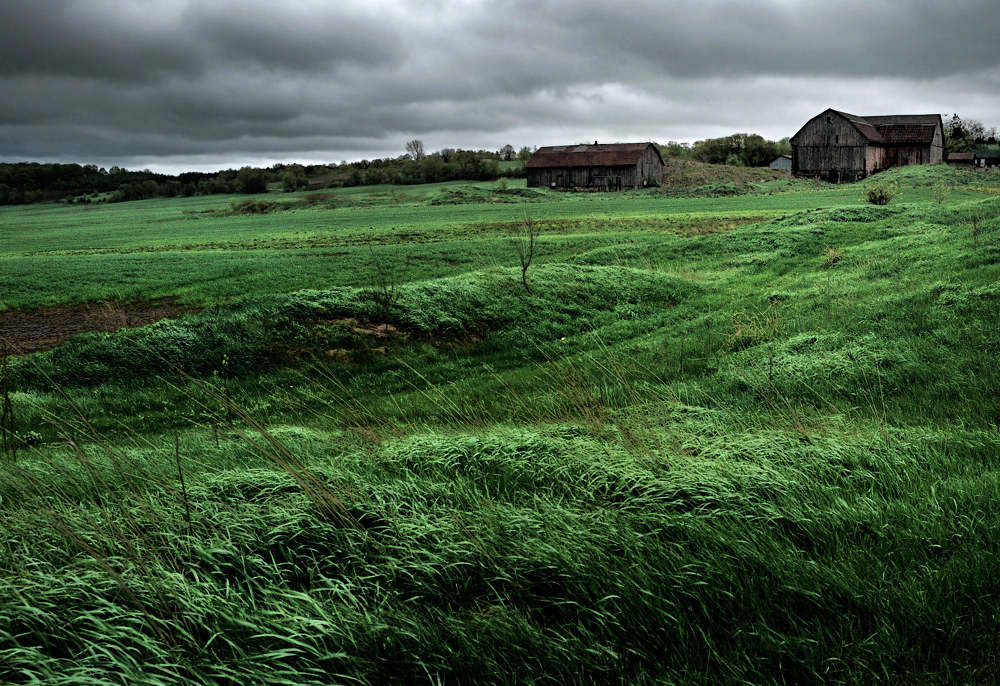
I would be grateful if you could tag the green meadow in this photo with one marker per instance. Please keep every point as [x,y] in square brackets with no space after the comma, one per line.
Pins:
[712,435]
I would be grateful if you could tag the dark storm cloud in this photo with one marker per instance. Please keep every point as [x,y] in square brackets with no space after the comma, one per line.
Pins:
[143,42]
[915,38]
[90,40]
[226,80]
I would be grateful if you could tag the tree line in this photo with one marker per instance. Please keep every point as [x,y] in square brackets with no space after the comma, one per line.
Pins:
[31,182]
[738,149]
[967,135]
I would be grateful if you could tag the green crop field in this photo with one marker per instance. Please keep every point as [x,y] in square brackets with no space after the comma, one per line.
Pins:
[727,434]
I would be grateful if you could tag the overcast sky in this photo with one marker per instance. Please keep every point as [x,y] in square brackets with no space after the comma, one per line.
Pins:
[189,84]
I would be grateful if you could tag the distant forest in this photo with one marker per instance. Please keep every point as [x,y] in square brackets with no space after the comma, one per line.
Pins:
[31,182]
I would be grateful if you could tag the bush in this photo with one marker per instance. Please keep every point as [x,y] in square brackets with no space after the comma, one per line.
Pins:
[881,193]
[252,206]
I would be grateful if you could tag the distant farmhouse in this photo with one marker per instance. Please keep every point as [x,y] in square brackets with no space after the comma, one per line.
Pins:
[837,146]
[606,167]
[782,162]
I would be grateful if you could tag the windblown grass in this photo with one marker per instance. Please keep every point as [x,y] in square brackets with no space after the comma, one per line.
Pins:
[761,453]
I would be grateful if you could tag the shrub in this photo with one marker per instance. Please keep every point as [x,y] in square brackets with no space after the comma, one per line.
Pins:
[252,206]
[941,192]
[881,193]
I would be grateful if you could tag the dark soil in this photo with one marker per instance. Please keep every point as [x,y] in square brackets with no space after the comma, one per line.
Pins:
[44,328]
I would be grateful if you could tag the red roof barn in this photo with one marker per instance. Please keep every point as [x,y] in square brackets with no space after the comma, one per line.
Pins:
[606,167]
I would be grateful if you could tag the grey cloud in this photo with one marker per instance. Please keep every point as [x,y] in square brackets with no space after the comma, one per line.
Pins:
[131,41]
[137,80]
[293,36]
[97,40]
[850,38]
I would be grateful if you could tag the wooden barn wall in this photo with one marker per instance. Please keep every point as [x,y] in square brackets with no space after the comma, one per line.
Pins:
[834,162]
[829,147]
[937,147]
[585,177]
[650,166]
[874,158]
[902,155]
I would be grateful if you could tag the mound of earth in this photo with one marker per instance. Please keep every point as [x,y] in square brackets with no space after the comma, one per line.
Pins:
[31,331]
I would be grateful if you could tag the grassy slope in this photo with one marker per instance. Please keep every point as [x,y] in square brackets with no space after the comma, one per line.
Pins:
[51,254]
[707,453]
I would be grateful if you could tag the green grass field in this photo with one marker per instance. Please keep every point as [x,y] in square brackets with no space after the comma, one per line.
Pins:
[740,439]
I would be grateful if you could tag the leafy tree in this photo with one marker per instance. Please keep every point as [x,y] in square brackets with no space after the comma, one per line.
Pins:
[675,149]
[507,153]
[250,180]
[294,178]
[962,135]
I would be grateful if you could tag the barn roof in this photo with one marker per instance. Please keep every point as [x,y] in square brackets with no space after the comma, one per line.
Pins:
[903,119]
[603,155]
[906,128]
[864,127]
[961,156]
[893,129]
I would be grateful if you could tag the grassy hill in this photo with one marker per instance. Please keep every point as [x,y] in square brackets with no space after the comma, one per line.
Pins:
[742,439]
[682,177]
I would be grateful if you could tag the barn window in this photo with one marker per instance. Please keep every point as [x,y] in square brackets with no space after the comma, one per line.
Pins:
[838,140]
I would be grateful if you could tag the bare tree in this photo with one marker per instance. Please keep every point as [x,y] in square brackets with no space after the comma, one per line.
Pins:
[527,232]
[382,291]
[415,149]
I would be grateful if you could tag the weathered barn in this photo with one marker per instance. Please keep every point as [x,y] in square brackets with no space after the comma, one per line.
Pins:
[606,167]
[838,146]
[783,162]
[961,159]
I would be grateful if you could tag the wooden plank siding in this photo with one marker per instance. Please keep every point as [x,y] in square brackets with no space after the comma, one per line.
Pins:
[842,147]
[830,147]
[612,167]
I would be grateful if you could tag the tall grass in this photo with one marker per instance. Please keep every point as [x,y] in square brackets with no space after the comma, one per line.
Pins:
[777,468]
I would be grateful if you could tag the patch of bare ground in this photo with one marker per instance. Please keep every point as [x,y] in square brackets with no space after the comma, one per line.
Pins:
[29,331]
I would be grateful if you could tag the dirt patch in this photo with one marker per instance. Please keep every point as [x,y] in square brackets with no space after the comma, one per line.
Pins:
[45,328]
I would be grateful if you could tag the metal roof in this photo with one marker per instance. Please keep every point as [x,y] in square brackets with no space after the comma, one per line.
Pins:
[603,155]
